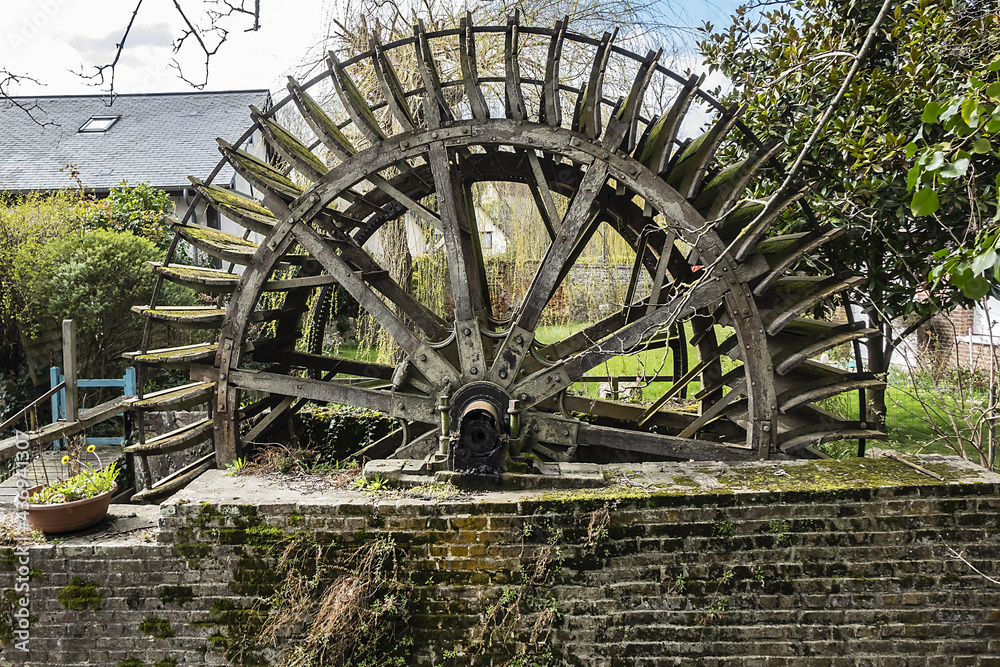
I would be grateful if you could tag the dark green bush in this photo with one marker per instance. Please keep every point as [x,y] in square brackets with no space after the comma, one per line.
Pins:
[335,432]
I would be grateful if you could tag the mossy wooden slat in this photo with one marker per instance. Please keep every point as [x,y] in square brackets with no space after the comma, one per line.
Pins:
[175,482]
[258,173]
[172,357]
[436,109]
[587,114]
[514,105]
[621,132]
[287,144]
[392,90]
[655,145]
[777,244]
[193,317]
[242,210]
[320,123]
[176,440]
[810,326]
[788,298]
[825,388]
[197,278]
[784,261]
[811,369]
[177,398]
[354,102]
[200,317]
[792,441]
[226,246]
[550,106]
[785,362]
[689,171]
[721,192]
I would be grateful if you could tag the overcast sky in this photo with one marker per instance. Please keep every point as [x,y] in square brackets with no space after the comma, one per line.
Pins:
[51,39]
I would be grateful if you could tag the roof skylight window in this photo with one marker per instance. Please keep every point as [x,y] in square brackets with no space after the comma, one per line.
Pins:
[99,124]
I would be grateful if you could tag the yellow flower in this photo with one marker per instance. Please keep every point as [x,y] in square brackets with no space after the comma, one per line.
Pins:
[65,460]
[91,448]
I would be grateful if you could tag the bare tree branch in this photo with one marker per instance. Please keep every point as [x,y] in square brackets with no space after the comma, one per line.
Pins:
[99,75]
[8,79]
[961,557]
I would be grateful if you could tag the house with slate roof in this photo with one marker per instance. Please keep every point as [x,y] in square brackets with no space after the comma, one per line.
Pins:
[159,138]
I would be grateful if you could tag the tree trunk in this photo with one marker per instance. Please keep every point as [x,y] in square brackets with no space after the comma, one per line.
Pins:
[879,356]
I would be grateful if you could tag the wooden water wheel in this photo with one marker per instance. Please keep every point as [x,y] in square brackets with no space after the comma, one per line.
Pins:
[730,309]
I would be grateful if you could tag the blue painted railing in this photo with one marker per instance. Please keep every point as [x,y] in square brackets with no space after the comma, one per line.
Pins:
[126,384]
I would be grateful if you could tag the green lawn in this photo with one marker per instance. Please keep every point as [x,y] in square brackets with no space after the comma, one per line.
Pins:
[911,425]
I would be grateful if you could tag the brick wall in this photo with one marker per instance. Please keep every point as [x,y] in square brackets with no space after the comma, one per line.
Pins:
[945,333]
[818,563]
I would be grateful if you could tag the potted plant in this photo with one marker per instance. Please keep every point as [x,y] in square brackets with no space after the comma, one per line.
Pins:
[74,503]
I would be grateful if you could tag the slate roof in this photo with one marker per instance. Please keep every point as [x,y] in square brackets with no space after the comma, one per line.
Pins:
[160,138]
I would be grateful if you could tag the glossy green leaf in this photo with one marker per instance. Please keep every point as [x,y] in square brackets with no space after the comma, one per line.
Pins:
[955,169]
[931,112]
[911,150]
[976,288]
[970,111]
[936,161]
[984,261]
[982,145]
[925,202]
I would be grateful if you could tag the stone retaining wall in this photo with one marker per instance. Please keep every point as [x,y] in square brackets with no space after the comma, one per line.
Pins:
[821,563]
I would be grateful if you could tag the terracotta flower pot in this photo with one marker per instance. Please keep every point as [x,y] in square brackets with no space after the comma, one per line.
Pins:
[67,517]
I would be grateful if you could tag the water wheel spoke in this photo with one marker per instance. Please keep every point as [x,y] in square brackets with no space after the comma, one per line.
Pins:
[461,238]
[544,202]
[714,411]
[331,392]
[550,381]
[425,358]
[557,261]
[657,444]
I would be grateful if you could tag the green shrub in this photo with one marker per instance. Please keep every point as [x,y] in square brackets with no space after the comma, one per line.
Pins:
[140,210]
[337,431]
[94,278]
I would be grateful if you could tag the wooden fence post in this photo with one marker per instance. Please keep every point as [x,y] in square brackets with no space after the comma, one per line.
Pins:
[69,368]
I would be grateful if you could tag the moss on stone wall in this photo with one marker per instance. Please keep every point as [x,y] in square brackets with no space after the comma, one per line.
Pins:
[80,595]
[156,627]
[179,595]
